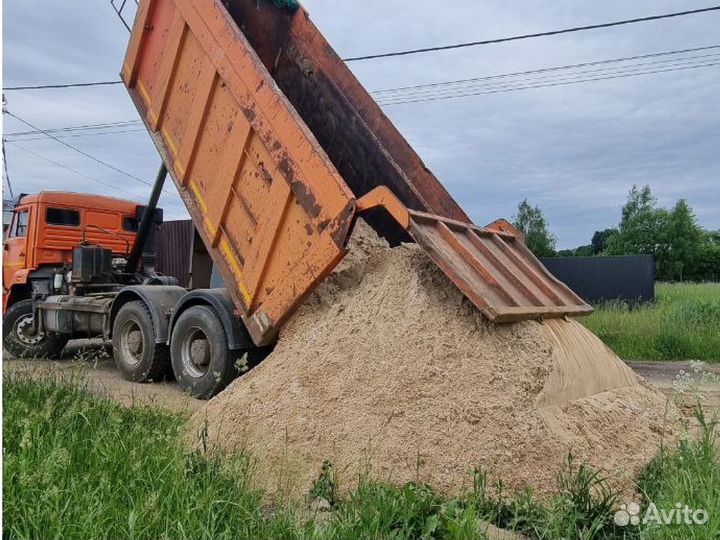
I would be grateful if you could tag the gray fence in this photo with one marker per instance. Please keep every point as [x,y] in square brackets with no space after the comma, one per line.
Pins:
[630,278]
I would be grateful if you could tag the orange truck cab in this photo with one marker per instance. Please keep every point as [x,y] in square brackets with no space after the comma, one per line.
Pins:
[47,226]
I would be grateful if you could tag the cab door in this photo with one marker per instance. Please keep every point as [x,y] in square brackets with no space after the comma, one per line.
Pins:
[15,247]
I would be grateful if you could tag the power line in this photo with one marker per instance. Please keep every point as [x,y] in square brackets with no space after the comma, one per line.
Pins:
[444,47]
[104,125]
[545,70]
[511,88]
[530,36]
[89,156]
[434,49]
[68,85]
[57,164]
[546,74]
[76,135]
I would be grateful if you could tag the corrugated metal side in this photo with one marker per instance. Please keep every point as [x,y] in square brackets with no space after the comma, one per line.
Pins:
[630,278]
[495,270]
[173,247]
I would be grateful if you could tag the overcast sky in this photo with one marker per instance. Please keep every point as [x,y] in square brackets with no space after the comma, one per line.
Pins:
[573,150]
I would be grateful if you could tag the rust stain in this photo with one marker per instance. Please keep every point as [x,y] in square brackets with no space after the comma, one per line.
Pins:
[340,227]
[305,198]
[249,113]
[286,169]
[265,173]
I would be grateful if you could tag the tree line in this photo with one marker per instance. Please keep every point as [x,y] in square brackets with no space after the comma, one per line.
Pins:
[683,250]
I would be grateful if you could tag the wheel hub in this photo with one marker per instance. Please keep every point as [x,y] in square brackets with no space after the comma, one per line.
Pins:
[200,352]
[196,353]
[132,341]
[25,333]
[135,341]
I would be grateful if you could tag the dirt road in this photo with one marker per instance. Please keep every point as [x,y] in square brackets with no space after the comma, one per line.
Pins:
[92,363]
[681,381]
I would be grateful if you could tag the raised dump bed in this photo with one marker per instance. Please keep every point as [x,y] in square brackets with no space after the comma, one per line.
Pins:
[275,147]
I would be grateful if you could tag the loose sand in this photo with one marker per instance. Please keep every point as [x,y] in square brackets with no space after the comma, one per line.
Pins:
[388,369]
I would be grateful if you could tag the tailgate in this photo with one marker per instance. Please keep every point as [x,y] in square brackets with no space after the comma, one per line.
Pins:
[495,270]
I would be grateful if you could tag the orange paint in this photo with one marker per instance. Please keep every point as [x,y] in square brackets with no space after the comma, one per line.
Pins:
[44,244]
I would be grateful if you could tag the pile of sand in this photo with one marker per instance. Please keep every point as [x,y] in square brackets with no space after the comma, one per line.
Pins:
[388,369]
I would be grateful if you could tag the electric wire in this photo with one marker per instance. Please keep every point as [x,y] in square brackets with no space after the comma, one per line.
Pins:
[75,171]
[58,86]
[531,36]
[524,86]
[87,155]
[550,69]
[76,135]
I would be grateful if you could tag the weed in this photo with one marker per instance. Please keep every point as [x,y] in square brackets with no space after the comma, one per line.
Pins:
[325,485]
[688,474]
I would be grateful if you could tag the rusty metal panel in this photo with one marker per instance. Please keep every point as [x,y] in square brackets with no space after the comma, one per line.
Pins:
[495,270]
[266,199]
[363,144]
[173,249]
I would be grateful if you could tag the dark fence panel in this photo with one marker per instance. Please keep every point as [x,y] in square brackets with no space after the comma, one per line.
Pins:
[174,246]
[630,278]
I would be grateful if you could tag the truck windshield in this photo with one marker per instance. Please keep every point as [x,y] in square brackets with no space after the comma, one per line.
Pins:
[20,224]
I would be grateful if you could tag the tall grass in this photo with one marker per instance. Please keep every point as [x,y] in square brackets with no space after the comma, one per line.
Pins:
[78,466]
[688,475]
[682,324]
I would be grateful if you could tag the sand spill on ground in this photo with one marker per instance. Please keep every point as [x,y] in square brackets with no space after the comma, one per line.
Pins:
[387,369]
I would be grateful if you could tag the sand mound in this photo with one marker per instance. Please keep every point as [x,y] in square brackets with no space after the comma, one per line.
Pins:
[388,369]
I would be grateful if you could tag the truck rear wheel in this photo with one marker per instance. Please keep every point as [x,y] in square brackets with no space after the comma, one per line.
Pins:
[137,356]
[20,340]
[202,362]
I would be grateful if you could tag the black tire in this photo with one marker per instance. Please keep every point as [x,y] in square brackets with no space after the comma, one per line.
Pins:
[137,356]
[17,339]
[201,360]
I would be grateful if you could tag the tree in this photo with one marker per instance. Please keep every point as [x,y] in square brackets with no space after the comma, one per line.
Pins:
[682,249]
[600,240]
[532,223]
[708,258]
[580,251]
[642,228]
[677,260]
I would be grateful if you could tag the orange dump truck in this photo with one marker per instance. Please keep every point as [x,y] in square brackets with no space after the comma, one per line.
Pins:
[276,149]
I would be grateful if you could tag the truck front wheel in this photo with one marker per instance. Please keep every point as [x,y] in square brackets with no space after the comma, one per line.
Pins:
[201,360]
[20,340]
[137,356]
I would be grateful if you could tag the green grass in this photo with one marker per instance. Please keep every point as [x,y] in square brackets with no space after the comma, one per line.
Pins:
[79,466]
[682,324]
[688,474]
